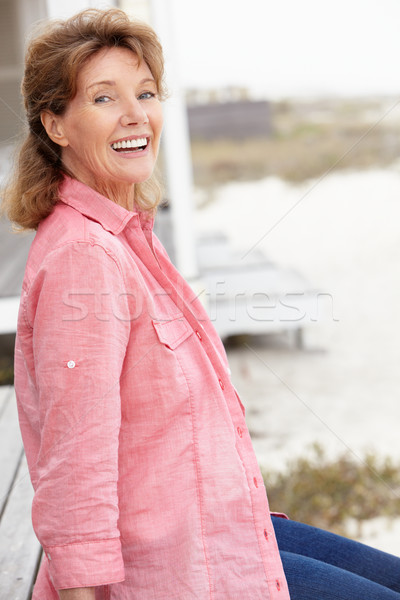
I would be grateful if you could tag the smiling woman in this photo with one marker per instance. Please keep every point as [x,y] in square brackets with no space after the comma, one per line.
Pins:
[110,132]
[146,485]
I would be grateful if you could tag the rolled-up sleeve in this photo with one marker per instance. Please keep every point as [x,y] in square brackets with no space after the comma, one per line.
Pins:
[76,307]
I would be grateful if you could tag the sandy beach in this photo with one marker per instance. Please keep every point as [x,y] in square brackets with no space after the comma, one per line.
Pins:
[342,390]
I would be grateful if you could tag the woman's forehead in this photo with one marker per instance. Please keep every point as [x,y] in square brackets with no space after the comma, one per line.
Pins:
[107,63]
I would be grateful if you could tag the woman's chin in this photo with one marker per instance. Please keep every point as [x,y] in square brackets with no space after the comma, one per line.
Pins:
[135,175]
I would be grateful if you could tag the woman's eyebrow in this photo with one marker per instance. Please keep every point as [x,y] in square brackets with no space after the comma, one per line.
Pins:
[112,83]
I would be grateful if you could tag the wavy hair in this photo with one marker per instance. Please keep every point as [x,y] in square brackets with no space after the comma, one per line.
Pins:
[52,63]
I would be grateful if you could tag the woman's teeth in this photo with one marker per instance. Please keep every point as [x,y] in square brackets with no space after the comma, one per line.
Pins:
[138,144]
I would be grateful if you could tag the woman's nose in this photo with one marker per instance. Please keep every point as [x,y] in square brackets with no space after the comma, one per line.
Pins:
[134,114]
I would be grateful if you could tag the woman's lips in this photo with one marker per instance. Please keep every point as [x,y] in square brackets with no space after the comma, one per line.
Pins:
[131,145]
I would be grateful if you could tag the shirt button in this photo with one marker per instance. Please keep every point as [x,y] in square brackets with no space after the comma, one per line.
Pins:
[255,482]
[199,335]
[221,383]
[48,556]
[278,585]
[71,364]
[240,431]
[266,534]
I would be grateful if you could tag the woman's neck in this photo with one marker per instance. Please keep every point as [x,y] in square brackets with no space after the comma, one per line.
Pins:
[122,194]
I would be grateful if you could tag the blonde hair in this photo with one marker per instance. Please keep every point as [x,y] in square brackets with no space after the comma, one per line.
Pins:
[53,60]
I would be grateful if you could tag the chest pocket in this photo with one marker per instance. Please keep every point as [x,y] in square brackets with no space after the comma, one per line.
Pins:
[173,332]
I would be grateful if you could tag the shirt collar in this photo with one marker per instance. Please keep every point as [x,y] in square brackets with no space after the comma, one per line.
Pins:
[111,216]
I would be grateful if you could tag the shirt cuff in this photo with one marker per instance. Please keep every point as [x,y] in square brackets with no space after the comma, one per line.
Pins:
[85,564]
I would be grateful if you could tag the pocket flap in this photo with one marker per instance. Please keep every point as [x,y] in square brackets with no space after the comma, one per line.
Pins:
[172,332]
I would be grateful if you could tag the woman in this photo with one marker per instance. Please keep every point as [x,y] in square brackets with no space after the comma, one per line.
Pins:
[146,484]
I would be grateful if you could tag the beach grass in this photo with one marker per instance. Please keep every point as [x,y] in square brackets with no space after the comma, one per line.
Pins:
[335,493]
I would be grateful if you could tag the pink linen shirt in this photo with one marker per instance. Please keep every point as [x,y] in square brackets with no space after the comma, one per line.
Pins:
[146,483]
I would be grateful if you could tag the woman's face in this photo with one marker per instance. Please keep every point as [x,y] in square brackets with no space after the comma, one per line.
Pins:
[110,132]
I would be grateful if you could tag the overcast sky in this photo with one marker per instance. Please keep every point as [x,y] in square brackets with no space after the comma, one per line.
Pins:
[290,47]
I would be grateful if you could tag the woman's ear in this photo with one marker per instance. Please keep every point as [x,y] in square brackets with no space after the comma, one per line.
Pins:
[54,127]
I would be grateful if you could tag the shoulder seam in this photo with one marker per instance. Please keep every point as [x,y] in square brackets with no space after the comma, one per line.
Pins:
[88,242]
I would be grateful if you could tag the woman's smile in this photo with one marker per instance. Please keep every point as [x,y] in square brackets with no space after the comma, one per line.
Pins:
[131,145]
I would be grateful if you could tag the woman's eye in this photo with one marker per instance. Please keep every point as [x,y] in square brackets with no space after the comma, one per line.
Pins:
[147,95]
[102,99]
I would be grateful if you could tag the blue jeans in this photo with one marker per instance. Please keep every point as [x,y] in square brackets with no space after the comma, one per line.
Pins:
[323,566]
